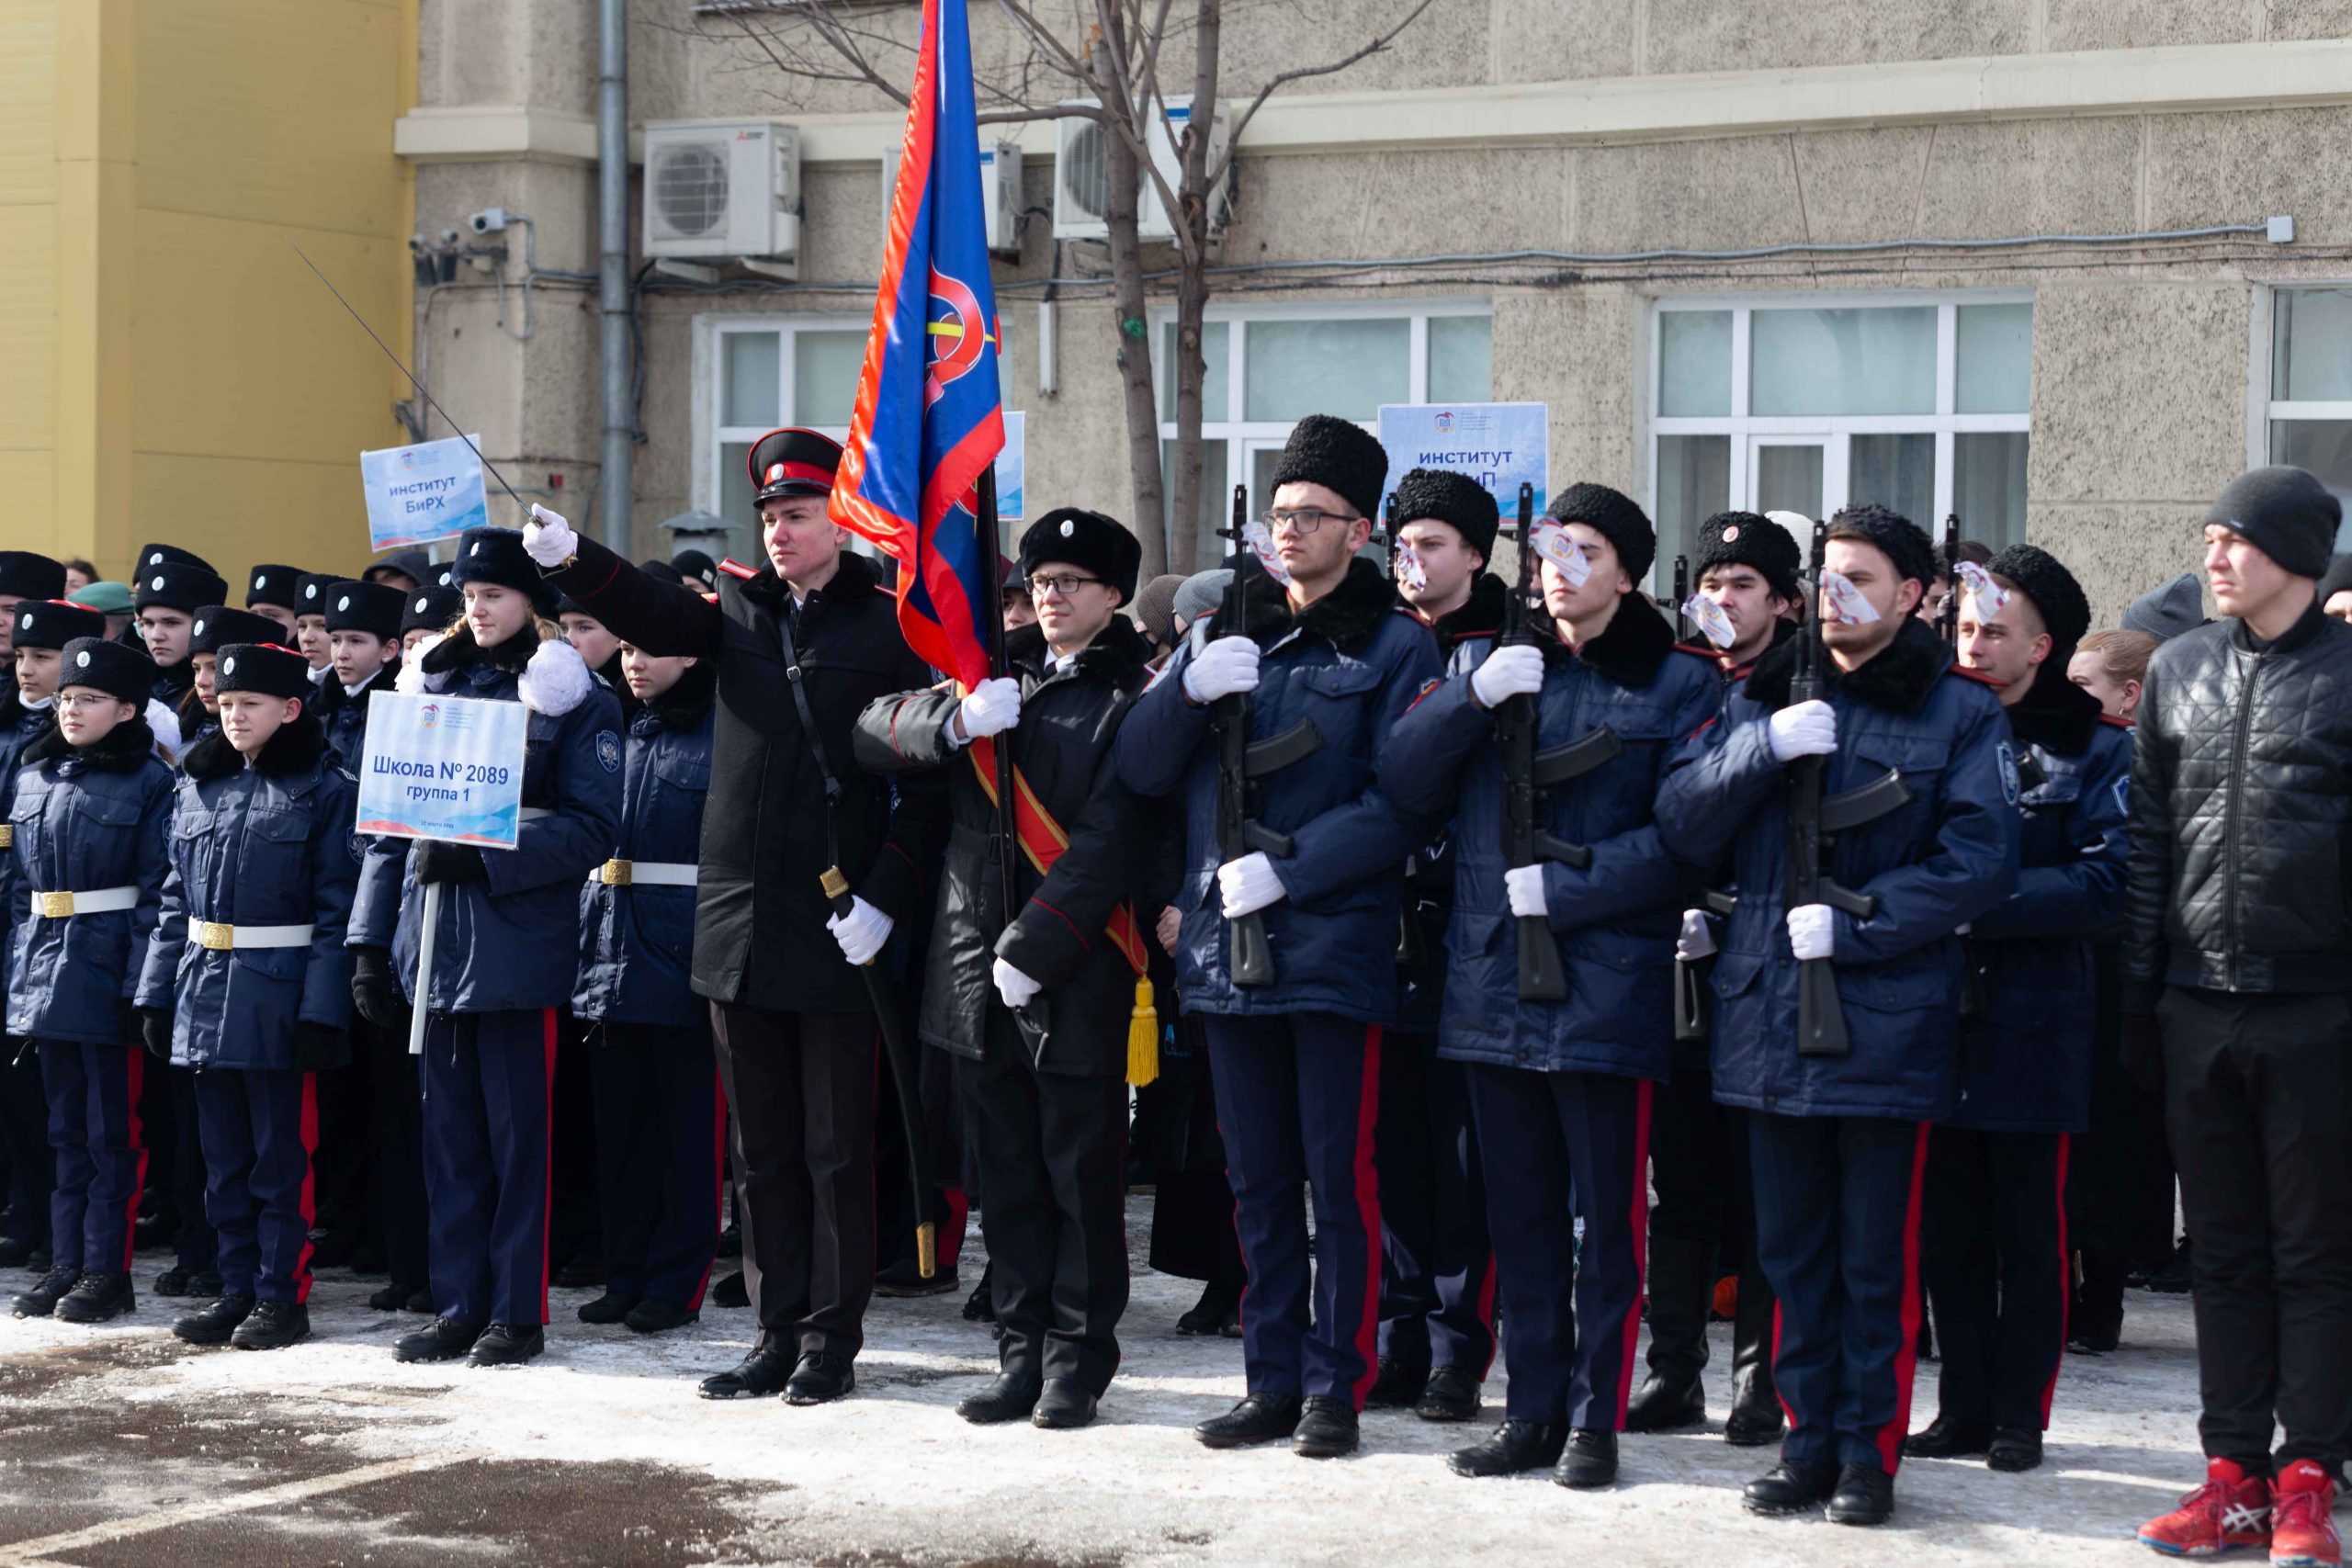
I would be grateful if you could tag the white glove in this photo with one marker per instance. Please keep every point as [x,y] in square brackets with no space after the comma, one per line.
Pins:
[1514,670]
[861,932]
[1017,990]
[1698,937]
[1808,729]
[1249,884]
[548,538]
[1525,884]
[1226,666]
[993,708]
[1813,931]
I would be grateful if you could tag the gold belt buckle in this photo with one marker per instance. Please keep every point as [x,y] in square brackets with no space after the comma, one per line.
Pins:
[7,835]
[616,873]
[215,937]
[56,905]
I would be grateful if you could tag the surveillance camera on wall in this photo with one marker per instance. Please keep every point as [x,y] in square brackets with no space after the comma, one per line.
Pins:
[489,220]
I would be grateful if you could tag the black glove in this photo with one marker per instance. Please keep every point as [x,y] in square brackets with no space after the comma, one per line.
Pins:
[437,860]
[373,990]
[319,1046]
[2144,1050]
[155,1031]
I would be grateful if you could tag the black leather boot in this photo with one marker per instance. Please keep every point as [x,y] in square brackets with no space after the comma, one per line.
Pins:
[1064,1405]
[1590,1461]
[1682,1284]
[47,1291]
[1755,1416]
[1792,1487]
[98,1296]
[1451,1394]
[1397,1384]
[2014,1448]
[214,1322]
[821,1378]
[1513,1447]
[1948,1437]
[763,1371]
[1011,1396]
[1258,1418]
[610,1307]
[1327,1427]
[444,1339]
[273,1325]
[507,1345]
[1865,1496]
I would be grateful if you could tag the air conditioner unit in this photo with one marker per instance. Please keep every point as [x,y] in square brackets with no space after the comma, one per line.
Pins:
[1000,193]
[718,189]
[1082,175]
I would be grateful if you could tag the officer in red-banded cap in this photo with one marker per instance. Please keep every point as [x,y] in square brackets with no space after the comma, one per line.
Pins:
[815,629]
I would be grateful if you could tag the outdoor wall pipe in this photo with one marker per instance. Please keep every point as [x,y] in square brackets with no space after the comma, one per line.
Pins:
[612,267]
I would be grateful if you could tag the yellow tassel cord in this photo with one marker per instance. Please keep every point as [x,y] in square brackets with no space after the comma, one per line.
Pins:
[1143,1037]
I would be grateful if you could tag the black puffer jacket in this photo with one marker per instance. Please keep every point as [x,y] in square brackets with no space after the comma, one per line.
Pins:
[2241,815]
[1062,745]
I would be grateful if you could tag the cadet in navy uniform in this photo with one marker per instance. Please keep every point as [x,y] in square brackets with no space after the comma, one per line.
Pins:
[1995,1258]
[660,1120]
[166,596]
[363,627]
[426,613]
[800,646]
[86,884]
[29,586]
[1561,1091]
[248,981]
[311,620]
[505,958]
[1296,1062]
[216,626]
[1840,1142]
[272,592]
[1036,1012]
[1702,1226]
[1437,1268]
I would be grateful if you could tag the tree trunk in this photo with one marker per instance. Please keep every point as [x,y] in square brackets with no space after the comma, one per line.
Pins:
[1132,321]
[1193,288]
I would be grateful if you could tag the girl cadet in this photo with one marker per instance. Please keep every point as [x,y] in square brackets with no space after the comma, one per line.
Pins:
[248,982]
[85,884]
[505,955]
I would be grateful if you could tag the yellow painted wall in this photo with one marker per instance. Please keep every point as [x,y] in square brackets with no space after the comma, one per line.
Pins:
[168,368]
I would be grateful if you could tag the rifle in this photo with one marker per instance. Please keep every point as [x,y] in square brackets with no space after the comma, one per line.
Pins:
[1681,597]
[1249,958]
[1813,823]
[1947,614]
[1541,978]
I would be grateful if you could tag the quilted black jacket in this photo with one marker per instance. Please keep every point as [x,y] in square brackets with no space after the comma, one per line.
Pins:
[2241,815]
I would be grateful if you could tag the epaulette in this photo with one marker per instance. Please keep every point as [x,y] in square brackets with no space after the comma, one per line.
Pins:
[2117,723]
[1982,679]
[734,567]
[1699,650]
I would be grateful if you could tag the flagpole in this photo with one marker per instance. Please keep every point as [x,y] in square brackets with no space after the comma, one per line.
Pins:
[1008,843]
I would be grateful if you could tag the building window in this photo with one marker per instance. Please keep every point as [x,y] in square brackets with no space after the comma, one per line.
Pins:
[1269,367]
[2311,388]
[1809,403]
[764,372]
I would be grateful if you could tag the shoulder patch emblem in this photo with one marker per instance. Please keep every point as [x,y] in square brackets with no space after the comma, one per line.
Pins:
[2010,787]
[608,752]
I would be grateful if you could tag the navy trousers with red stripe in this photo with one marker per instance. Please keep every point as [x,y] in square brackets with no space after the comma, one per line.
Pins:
[486,1080]
[101,1150]
[660,1156]
[1296,1101]
[1996,1267]
[260,1129]
[1437,1272]
[1837,1202]
[1574,1145]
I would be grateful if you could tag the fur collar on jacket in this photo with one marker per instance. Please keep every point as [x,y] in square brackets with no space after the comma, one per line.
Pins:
[1897,679]
[854,580]
[1118,652]
[2055,714]
[1346,617]
[1481,615]
[1629,649]
[295,749]
[124,749]
[682,705]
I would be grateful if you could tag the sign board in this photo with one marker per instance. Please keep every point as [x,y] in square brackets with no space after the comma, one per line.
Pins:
[1500,445]
[418,494]
[1010,465]
[436,767]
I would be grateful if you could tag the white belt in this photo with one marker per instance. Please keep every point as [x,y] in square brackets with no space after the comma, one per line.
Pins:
[642,874]
[98,901]
[533,813]
[220,937]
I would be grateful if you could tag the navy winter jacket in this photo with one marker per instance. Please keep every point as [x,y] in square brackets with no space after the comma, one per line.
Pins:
[2025,1065]
[1351,662]
[509,941]
[1613,920]
[637,942]
[1933,865]
[83,820]
[265,845]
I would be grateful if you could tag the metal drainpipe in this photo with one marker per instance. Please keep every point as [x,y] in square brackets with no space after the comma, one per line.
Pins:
[611,264]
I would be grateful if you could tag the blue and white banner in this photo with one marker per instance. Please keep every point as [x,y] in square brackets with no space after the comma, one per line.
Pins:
[1500,445]
[436,767]
[418,494]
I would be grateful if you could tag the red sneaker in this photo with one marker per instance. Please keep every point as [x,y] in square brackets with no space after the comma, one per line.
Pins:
[2301,1536]
[2231,1509]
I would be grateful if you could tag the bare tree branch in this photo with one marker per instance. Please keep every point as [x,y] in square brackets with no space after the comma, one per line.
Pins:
[1283,79]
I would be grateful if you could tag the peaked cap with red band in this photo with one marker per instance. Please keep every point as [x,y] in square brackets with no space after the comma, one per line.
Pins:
[793,462]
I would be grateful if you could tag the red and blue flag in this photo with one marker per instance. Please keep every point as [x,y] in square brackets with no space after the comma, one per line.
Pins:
[930,415]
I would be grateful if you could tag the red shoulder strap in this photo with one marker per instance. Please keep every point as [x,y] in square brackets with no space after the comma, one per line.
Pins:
[1699,650]
[734,567]
[2117,723]
[1978,676]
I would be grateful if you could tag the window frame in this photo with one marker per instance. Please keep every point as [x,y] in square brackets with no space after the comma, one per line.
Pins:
[2262,409]
[1739,425]
[709,365]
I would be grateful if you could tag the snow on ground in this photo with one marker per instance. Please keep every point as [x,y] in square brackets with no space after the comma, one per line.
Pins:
[892,1476]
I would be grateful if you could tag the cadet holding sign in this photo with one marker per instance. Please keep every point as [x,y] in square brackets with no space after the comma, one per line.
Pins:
[487,992]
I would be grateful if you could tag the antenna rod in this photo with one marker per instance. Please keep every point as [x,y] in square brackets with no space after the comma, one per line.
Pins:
[412,381]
